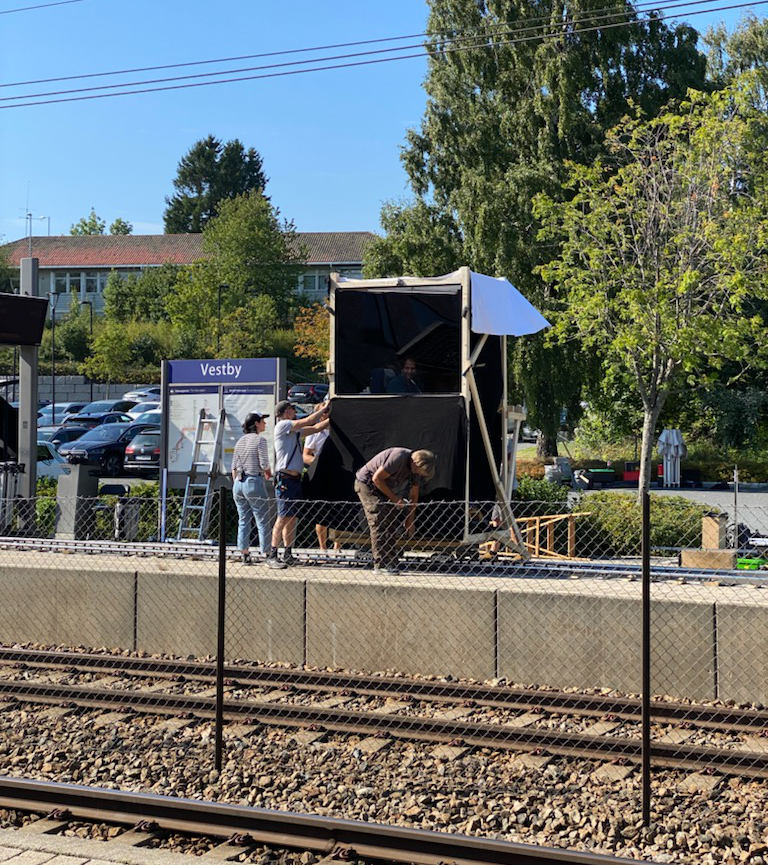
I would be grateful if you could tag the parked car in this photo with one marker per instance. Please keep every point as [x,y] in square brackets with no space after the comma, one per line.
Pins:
[154,416]
[142,455]
[312,392]
[50,463]
[92,420]
[141,407]
[100,406]
[46,416]
[144,394]
[59,435]
[104,445]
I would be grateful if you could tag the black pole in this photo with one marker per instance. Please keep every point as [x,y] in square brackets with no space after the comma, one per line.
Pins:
[646,640]
[53,360]
[220,632]
[218,323]
[90,347]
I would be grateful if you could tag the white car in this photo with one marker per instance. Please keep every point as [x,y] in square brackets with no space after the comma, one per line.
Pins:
[144,394]
[50,463]
[141,407]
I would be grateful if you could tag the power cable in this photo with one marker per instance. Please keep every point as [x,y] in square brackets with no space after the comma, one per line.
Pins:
[357,63]
[530,23]
[38,6]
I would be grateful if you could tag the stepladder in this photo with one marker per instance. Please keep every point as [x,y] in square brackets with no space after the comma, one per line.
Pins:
[206,466]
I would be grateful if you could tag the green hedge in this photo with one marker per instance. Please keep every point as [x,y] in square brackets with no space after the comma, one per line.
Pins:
[613,526]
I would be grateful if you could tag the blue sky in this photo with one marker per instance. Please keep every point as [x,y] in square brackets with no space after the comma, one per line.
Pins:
[330,141]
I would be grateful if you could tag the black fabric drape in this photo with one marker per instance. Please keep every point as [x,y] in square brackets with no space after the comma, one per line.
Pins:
[362,426]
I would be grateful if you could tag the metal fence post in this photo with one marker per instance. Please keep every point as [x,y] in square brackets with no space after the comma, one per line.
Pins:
[646,652]
[220,631]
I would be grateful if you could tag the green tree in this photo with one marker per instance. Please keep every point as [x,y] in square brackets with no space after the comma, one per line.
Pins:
[121,226]
[661,247]
[419,241]
[91,224]
[209,173]
[248,331]
[252,251]
[140,296]
[501,120]
[126,351]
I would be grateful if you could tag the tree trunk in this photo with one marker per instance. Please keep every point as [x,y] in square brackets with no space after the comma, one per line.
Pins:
[546,446]
[650,417]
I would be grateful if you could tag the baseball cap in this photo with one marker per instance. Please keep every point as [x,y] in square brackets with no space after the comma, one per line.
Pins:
[282,406]
[252,419]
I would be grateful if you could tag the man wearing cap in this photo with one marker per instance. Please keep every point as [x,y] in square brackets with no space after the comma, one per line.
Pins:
[289,464]
[250,467]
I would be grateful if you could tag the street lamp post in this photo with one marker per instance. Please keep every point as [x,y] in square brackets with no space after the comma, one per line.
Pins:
[218,316]
[89,304]
[53,297]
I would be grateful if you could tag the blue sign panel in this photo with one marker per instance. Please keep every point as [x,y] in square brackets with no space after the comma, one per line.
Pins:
[230,371]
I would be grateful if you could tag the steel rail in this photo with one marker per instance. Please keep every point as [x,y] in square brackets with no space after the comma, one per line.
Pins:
[493,696]
[324,835]
[498,736]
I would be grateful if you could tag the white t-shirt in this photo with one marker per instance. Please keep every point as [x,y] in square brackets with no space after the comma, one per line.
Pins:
[316,441]
[287,448]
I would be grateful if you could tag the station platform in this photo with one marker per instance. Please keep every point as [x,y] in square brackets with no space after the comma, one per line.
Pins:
[25,847]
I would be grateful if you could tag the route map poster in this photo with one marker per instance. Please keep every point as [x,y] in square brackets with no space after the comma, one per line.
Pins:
[184,407]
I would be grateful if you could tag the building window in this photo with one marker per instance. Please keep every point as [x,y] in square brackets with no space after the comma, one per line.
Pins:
[91,282]
[60,283]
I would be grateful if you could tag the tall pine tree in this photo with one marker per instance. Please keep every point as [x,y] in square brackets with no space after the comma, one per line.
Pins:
[208,174]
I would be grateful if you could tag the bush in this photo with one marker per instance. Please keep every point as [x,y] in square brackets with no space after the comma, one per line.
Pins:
[614,524]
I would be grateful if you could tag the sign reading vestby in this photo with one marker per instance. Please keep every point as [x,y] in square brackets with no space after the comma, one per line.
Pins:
[237,385]
[229,371]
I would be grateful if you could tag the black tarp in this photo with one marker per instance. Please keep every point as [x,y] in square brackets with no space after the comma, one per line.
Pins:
[362,426]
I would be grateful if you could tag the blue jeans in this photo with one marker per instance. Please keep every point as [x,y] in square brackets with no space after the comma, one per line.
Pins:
[251,499]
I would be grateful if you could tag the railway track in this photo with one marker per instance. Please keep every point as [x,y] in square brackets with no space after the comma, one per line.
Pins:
[522,733]
[240,830]
[396,687]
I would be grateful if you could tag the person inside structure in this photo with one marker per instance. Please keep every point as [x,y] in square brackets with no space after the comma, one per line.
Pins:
[406,381]
[388,488]
[250,468]
[289,464]
[313,444]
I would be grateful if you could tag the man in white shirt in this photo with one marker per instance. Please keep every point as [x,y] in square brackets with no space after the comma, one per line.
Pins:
[289,464]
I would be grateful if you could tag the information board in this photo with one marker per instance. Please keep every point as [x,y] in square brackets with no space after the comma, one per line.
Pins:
[236,385]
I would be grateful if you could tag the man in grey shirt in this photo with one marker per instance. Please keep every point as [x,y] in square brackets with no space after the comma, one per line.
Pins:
[289,464]
[386,485]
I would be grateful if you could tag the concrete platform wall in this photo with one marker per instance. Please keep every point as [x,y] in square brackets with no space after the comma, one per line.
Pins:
[707,642]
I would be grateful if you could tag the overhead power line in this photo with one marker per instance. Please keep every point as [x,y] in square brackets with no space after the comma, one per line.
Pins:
[503,29]
[38,6]
[564,30]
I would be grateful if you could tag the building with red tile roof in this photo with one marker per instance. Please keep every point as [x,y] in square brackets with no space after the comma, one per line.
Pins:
[78,266]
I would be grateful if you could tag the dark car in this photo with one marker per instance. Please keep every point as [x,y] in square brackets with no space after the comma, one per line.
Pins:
[104,445]
[47,416]
[100,406]
[143,452]
[313,392]
[92,420]
[60,435]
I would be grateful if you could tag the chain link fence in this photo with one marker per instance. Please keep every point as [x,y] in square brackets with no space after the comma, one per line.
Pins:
[452,628]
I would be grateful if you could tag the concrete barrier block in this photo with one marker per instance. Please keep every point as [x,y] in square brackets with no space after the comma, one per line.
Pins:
[712,559]
[178,613]
[591,640]
[401,626]
[66,607]
[742,651]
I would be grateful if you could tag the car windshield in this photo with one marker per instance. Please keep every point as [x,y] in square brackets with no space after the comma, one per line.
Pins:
[46,433]
[141,407]
[98,407]
[149,417]
[104,433]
